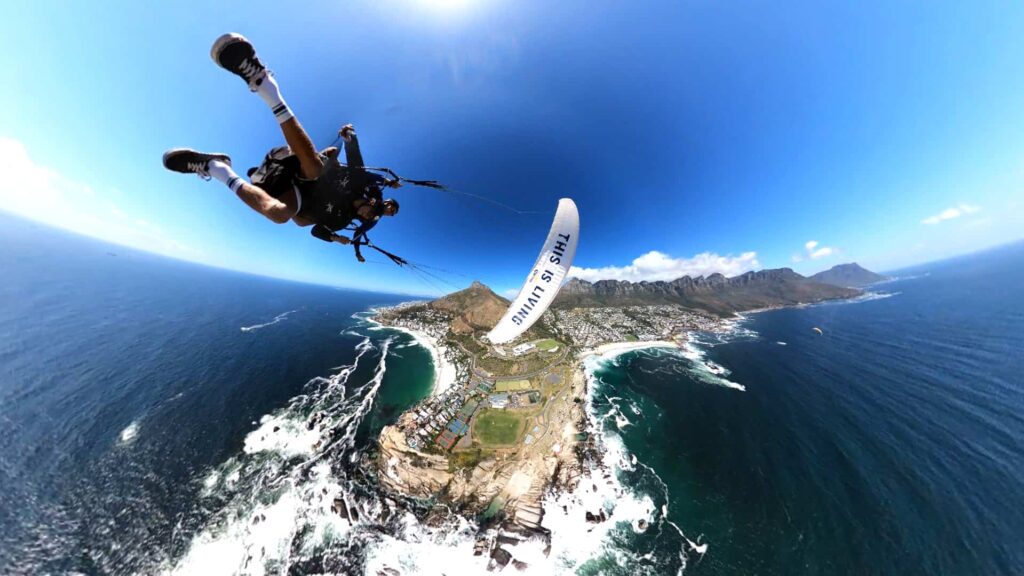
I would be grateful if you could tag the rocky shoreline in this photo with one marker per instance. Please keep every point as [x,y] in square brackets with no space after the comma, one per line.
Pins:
[505,492]
[558,482]
[521,482]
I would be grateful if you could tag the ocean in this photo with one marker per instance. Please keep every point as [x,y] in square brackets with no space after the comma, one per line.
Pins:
[163,417]
[893,443]
[136,391]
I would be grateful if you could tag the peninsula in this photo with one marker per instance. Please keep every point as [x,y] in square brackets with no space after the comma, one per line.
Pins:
[509,421]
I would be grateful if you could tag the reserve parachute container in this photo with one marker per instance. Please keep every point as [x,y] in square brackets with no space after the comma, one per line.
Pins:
[545,279]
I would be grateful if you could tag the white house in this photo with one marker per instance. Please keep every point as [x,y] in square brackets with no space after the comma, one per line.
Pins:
[523,348]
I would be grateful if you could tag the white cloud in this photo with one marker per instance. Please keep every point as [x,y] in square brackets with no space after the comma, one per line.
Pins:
[814,250]
[821,252]
[951,213]
[37,192]
[656,265]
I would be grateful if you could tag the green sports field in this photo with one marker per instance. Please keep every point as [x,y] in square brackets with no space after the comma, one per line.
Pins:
[547,344]
[511,385]
[498,427]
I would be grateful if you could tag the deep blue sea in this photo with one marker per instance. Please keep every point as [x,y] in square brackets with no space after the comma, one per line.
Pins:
[891,444]
[158,416]
[126,380]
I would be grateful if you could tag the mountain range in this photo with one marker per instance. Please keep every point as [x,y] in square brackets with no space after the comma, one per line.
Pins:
[715,293]
[479,308]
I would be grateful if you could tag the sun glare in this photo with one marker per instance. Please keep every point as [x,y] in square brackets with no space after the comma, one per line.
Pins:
[446,5]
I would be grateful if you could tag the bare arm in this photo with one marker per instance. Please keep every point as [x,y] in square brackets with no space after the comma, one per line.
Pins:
[327,235]
[353,157]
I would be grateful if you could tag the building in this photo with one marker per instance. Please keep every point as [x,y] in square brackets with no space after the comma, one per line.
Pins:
[499,400]
[523,349]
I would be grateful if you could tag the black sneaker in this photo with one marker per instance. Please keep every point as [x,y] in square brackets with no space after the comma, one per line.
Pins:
[189,161]
[235,54]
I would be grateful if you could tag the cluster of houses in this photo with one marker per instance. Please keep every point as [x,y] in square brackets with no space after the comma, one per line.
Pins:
[445,418]
[593,326]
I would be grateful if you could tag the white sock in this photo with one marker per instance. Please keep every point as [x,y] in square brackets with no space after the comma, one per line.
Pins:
[222,171]
[271,94]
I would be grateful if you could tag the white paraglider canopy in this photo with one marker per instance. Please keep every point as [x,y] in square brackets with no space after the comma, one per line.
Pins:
[546,279]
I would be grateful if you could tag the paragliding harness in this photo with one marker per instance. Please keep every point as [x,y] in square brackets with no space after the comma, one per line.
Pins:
[277,174]
[280,171]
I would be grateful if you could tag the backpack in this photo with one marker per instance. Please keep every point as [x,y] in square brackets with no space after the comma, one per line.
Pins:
[277,172]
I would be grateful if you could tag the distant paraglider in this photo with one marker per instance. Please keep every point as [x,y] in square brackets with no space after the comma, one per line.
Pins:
[818,330]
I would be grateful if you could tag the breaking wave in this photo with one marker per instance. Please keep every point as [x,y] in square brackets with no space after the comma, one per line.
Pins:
[300,498]
[291,497]
[696,350]
[627,494]
[279,318]
[128,435]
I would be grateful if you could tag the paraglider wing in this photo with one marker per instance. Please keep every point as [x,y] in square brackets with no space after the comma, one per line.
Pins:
[545,279]
[818,330]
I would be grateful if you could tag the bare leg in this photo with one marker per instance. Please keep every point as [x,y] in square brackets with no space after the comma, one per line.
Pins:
[236,54]
[302,147]
[257,198]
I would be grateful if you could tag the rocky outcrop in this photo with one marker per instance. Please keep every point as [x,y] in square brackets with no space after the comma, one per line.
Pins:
[408,471]
[518,480]
[714,293]
[519,483]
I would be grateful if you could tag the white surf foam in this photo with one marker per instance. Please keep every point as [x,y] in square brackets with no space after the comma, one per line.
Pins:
[283,434]
[130,432]
[279,318]
[705,370]
[575,539]
[280,491]
[419,548]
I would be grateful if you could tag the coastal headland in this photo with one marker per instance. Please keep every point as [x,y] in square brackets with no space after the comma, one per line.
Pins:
[506,424]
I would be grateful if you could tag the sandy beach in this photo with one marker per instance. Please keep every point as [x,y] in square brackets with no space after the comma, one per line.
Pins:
[615,348]
[444,371]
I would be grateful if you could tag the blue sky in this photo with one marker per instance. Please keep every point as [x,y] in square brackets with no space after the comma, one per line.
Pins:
[695,136]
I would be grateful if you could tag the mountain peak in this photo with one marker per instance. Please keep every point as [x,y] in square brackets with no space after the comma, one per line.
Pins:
[474,308]
[849,274]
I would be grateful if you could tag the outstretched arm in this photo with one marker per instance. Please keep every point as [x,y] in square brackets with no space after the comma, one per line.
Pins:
[353,157]
[324,233]
[327,235]
[359,236]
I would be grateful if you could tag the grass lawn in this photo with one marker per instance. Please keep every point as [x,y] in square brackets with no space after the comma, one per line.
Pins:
[511,385]
[498,427]
[504,367]
[464,459]
[547,344]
